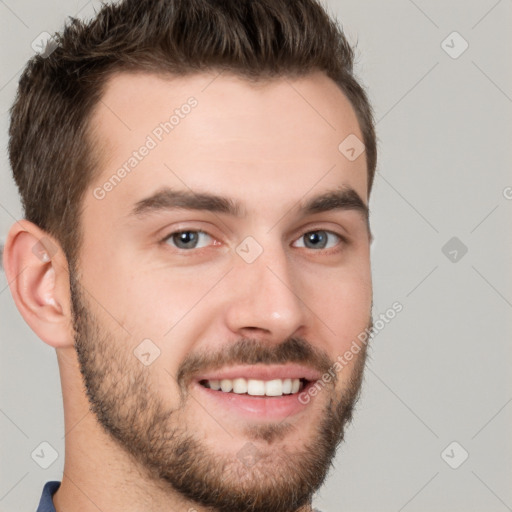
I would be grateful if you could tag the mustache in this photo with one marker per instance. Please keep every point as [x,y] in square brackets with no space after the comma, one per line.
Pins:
[250,351]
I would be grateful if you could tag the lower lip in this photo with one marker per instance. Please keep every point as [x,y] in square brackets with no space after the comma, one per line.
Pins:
[258,407]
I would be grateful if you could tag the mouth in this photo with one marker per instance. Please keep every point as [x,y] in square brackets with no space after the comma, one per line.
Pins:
[259,392]
[256,387]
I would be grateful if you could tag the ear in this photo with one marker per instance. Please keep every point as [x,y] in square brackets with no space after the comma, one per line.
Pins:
[38,276]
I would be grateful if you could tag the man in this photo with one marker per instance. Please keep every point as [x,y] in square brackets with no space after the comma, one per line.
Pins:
[195,177]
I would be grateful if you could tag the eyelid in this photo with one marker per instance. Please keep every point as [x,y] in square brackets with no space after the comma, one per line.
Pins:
[343,240]
[170,234]
[338,231]
[180,227]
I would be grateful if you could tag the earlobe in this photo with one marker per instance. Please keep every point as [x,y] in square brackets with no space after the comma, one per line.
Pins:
[38,277]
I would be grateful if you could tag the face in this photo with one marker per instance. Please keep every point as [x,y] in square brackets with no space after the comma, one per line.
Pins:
[223,274]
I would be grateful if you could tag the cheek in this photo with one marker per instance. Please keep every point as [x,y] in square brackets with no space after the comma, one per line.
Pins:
[343,304]
[164,307]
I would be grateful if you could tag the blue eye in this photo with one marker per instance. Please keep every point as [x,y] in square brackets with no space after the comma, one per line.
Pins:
[319,239]
[187,239]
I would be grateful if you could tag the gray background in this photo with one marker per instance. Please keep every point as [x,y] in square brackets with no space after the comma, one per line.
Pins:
[441,370]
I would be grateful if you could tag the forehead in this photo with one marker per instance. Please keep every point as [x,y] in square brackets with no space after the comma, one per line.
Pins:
[222,133]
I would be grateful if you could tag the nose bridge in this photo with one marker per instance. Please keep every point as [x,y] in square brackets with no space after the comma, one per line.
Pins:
[265,291]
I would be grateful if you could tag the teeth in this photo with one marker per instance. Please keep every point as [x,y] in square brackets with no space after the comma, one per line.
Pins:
[239,386]
[287,386]
[215,384]
[274,387]
[254,387]
[226,385]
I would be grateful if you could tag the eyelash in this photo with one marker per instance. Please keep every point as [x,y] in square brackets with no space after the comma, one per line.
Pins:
[330,250]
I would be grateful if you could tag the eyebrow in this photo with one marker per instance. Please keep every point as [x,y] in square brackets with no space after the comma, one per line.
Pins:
[345,198]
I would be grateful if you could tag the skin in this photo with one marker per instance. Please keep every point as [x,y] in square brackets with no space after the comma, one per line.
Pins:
[269,146]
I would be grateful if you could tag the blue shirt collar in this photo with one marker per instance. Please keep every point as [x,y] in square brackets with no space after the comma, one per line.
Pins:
[46,503]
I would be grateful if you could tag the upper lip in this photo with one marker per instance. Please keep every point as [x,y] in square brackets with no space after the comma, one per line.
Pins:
[262,372]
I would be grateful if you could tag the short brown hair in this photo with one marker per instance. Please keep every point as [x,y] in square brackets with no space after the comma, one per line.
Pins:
[51,151]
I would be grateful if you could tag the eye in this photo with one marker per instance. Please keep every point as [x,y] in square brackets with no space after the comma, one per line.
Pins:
[319,239]
[188,239]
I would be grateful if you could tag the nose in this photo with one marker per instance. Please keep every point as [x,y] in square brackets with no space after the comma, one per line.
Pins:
[265,297]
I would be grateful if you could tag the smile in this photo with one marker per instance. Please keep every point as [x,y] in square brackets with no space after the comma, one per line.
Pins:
[255,387]
[258,392]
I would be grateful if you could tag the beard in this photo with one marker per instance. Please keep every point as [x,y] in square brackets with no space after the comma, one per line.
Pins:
[128,405]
